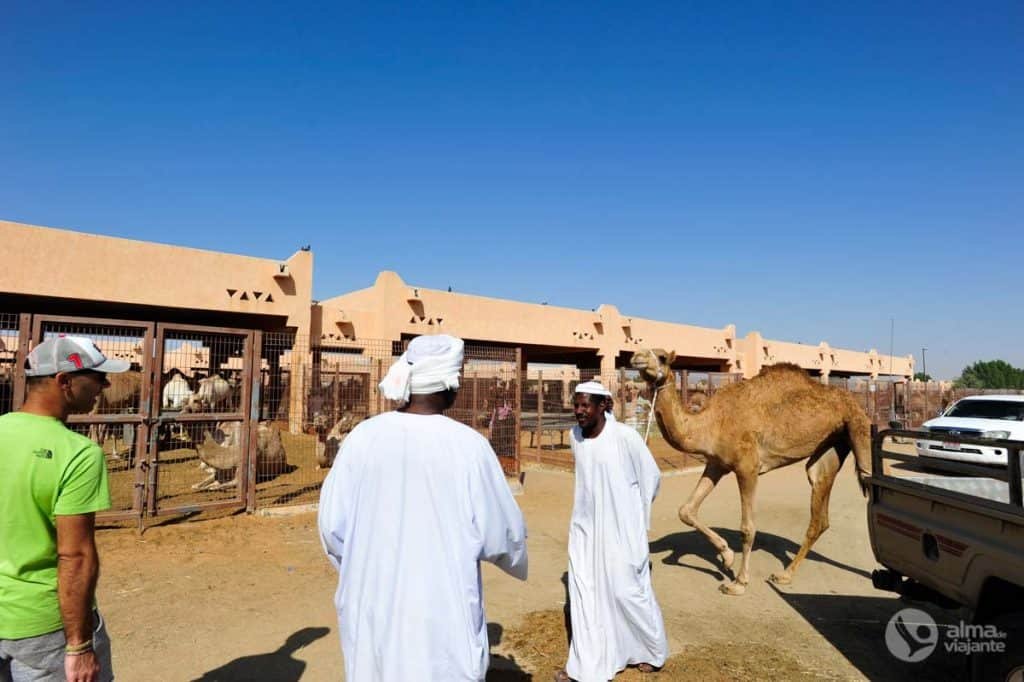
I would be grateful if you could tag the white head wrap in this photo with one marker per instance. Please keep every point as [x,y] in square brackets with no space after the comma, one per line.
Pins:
[431,364]
[593,388]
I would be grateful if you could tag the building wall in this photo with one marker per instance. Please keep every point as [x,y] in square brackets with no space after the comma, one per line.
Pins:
[44,261]
[49,262]
[392,308]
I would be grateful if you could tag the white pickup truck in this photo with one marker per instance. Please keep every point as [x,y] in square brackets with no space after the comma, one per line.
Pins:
[952,533]
[984,416]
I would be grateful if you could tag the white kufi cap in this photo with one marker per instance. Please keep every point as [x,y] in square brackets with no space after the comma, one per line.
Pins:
[593,388]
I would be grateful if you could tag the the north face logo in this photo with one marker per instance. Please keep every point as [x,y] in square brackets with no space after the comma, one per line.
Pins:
[43,453]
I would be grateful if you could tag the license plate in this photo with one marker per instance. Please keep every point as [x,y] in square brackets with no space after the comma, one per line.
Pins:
[950,445]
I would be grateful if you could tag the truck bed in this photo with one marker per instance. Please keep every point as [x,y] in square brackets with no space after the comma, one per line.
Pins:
[985,488]
[949,526]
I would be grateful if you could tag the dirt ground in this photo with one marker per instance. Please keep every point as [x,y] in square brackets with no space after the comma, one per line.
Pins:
[250,597]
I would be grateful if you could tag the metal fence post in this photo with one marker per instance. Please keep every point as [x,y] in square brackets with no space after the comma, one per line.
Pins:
[518,398]
[540,411]
[18,371]
[621,390]
[476,402]
[255,381]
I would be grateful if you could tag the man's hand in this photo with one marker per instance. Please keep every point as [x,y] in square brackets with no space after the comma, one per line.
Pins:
[82,667]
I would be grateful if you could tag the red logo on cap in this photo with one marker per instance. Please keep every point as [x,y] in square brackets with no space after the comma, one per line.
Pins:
[76,360]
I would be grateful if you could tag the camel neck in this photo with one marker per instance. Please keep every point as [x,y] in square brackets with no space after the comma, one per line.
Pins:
[683,430]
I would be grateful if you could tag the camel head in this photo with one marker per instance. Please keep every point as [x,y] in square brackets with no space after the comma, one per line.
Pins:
[654,364]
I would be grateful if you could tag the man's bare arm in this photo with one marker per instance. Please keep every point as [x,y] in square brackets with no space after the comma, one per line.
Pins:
[78,568]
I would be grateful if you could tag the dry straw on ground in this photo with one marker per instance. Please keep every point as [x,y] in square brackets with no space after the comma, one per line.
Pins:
[537,648]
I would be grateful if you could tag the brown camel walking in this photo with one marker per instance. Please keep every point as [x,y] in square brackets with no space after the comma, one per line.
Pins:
[779,417]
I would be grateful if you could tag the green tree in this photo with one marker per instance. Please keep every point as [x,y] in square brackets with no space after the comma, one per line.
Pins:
[991,374]
[921,376]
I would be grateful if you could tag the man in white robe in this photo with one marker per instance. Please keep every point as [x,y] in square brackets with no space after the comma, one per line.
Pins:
[615,618]
[413,503]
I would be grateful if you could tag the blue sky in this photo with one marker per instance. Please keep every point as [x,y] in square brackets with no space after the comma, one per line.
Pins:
[809,174]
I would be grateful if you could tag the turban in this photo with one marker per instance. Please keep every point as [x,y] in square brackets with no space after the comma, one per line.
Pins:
[430,364]
[593,388]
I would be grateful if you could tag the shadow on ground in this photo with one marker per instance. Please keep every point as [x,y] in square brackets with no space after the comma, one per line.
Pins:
[855,626]
[279,665]
[679,545]
[503,668]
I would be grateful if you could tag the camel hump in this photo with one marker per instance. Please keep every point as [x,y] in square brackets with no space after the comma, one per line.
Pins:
[781,368]
[786,373]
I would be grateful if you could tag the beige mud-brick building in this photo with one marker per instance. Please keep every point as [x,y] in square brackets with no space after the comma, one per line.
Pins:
[61,272]
[602,339]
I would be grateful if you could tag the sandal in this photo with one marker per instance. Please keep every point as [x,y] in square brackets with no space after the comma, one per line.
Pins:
[562,676]
[647,668]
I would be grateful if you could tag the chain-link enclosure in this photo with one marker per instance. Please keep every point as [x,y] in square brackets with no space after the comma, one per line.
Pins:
[548,415]
[215,417]
[200,441]
[9,344]
[314,398]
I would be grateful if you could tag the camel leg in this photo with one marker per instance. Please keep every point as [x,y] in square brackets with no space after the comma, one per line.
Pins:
[747,481]
[688,512]
[821,472]
[206,483]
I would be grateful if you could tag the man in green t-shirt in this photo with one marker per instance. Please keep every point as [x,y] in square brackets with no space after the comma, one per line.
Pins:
[52,483]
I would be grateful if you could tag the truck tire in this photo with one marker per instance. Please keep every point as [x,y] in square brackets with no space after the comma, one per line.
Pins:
[1007,666]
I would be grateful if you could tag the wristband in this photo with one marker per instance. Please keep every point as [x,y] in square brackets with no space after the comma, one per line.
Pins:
[79,649]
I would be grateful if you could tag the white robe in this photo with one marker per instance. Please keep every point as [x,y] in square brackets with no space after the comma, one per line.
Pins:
[616,620]
[410,507]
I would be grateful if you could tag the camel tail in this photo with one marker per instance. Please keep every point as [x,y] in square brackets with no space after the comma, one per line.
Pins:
[859,430]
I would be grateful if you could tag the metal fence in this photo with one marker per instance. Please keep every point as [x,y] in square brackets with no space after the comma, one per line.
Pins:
[201,423]
[906,404]
[547,417]
[212,417]
[315,395]
[9,345]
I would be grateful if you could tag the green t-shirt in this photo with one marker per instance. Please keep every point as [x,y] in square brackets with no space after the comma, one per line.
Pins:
[46,470]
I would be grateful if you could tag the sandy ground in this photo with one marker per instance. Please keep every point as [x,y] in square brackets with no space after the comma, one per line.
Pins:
[249,597]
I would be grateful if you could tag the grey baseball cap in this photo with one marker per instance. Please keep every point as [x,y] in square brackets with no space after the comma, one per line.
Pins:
[65,353]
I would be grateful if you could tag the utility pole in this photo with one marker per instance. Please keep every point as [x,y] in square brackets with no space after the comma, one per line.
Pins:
[892,386]
[924,365]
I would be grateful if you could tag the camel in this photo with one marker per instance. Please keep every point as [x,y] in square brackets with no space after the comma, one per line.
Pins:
[779,417]
[122,395]
[221,452]
[327,449]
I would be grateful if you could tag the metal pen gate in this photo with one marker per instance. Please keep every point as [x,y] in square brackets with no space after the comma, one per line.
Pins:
[186,399]
[194,396]
[201,416]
